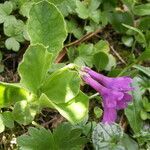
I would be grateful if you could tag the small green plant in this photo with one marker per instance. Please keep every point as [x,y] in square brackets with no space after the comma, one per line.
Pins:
[64,137]
[59,38]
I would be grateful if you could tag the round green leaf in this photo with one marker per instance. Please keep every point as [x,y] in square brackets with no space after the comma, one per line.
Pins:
[11,93]
[34,67]
[46,25]
[25,8]
[118,18]
[11,43]
[24,112]
[111,63]
[13,27]
[144,115]
[8,119]
[102,46]
[142,10]
[144,23]
[5,9]
[107,136]
[98,112]
[82,10]
[127,41]
[62,86]
[74,111]
[100,60]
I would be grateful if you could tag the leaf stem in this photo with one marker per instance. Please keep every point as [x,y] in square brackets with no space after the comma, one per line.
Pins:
[94,95]
[36,124]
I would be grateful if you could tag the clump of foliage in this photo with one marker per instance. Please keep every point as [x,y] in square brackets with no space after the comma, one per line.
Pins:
[57,39]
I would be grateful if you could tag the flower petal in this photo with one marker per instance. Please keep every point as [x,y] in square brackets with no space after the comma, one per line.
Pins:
[127,97]
[111,97]
[109,115]
[124,102]
[120,83]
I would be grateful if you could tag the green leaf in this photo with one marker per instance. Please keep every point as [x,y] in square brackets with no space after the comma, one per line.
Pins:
[104,18]
[46,25]
[102,45]
[144,23]
[129,143]
[38,139]
[24,112]
[138,31]
[5,9]
[144,115]
[106,136]
[25,8]
[133,110]
[145,70]
[127,41]
[65,6]
[87,128]
[145,55]
[100,60]
[11,93]
[62,86]
[142,10]
[112,62]
[86,53]
[94,4]
[98,112]
[8,119]
[13,27]
[78,32]
[73,28]
[67,137]
[146,104]
[2,126]
[19,3]
[33,74]
[74,111]
[89,10]
[55,67]
[79,61]
[118,18]
[11,43]
[25,33]
[82,10]
[130,3]
[64,137]
[95,16]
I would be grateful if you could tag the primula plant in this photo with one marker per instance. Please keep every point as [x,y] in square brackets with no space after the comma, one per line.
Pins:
[113,91]
[74,75]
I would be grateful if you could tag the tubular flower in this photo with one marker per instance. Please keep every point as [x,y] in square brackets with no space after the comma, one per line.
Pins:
[119,83]
[113,98]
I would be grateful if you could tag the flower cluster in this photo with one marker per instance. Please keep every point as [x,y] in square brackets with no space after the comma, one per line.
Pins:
[114,92]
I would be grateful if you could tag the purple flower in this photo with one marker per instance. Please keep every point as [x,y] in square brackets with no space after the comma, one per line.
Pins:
[113,99]
[109,115]
[119,83]
[124,102]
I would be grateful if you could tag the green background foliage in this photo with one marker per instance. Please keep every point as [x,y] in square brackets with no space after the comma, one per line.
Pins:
[46,43]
